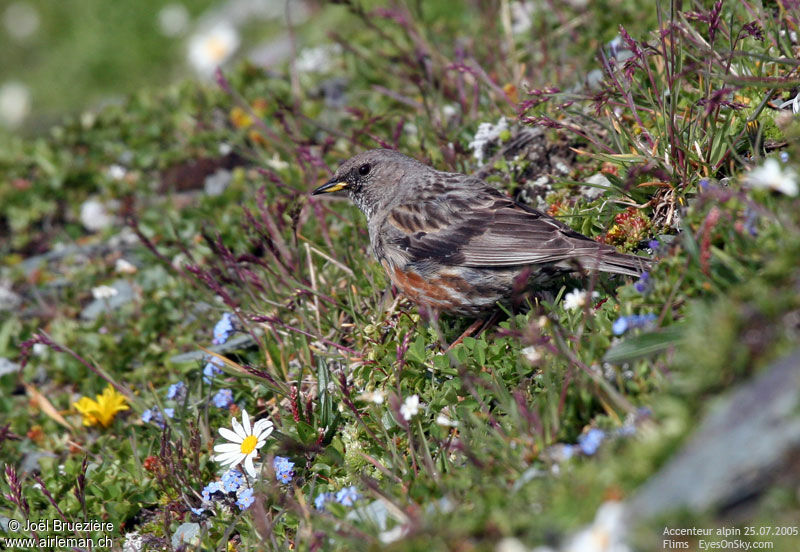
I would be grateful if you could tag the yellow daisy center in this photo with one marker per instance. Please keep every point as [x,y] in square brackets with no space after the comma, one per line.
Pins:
[249,444]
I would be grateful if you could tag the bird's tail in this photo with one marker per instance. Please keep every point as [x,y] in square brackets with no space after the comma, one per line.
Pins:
[615,263]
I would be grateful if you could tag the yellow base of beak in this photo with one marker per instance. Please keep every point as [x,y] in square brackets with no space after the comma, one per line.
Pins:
[329,188]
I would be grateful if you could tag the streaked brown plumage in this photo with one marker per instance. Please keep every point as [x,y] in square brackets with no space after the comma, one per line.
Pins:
[452,243]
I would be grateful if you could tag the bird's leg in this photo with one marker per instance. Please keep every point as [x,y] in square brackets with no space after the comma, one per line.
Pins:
[476,328]
[490,321]
[467,333]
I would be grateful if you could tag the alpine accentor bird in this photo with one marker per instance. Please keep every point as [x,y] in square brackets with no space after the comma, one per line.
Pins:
[452,243]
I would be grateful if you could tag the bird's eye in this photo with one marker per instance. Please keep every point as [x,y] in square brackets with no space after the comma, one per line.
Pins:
[364,169]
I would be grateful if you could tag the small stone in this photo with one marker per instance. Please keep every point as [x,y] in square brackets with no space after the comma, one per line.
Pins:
[216,183]
[593,192]
[9,300]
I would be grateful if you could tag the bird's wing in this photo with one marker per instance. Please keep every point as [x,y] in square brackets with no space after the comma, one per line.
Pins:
[484,228]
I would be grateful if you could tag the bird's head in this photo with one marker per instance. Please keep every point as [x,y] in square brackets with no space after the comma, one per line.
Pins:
[371,178]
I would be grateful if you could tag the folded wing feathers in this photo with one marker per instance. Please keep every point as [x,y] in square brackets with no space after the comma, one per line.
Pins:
[496,232]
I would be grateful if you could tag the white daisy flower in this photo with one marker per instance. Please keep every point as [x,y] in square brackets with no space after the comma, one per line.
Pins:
[245,440]
[104,292]
[449,111]
[376,396]
[317,60]
[124,266]
[521,17]
[15,104]
[577,299]
[277,163]
[532,354]
[771,175]
[21,20]
[210,48]
[444,421]
[410,407]
[95,216]
[116,172]
[173,19]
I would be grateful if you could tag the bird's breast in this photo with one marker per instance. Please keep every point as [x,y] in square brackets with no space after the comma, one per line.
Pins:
[445,289]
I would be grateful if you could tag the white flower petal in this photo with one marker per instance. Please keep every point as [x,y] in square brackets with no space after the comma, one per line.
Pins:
[237,427]
[229,458]
[249,467]
[230,435]
[263,435]
[772,176]
[248,429]
[264,424]
[228,447]
[225,457]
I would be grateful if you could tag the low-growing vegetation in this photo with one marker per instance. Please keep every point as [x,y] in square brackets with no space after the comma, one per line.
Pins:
[169,287]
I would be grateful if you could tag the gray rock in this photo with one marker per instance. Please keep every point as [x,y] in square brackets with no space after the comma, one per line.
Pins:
[7,366]
[9,300]
[744,444]
[186,534]
[375,512]
[216,183]
[598,185]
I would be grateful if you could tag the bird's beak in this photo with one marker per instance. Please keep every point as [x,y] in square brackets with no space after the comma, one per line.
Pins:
[331,186]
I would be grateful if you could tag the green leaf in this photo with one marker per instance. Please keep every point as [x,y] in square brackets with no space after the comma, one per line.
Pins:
[479,351]
[645,345]
[416,351]
[325,403]
[308,435]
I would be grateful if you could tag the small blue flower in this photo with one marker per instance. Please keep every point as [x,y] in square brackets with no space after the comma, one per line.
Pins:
[281,463]
[153,415]
[176,391]
[170,412]
[654,244]
[321,499]
[211,370]
[620,325]
[625,323]
[590,441]
[347,496]
[642,285]
[784,157]
[198,511]
[751,221]
[232,480]
[223,398]
[567,451]
[284,477]
[223,329]
[642,320]
[283,469]
[245,498]
[626,430]
[704,183]
[209,490]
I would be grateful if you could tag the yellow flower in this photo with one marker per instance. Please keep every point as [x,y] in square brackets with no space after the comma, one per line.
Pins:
[511,92]
[240,118]
[102,410]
